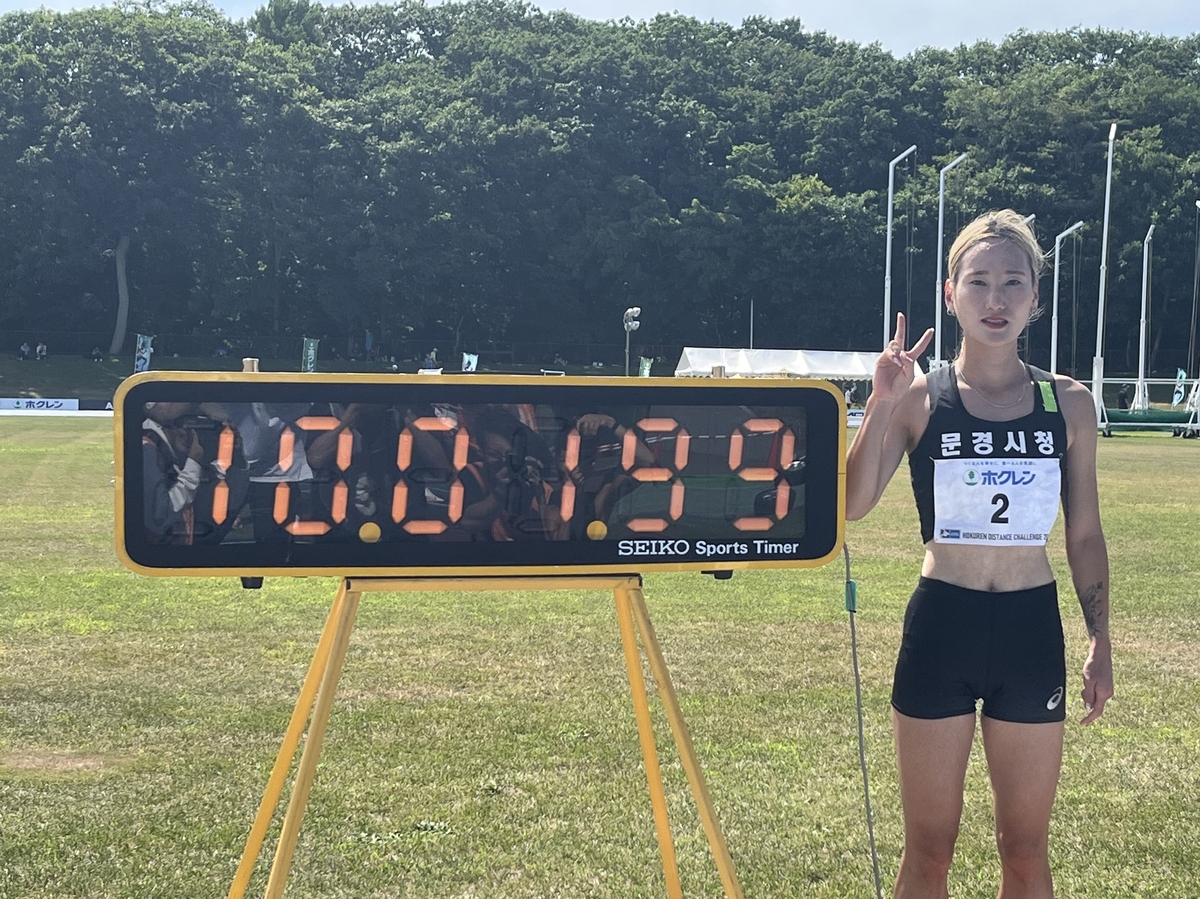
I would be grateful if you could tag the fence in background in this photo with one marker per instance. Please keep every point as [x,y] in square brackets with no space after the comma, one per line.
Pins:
[81,343]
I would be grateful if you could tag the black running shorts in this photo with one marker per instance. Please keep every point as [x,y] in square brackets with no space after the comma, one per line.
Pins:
[963,645]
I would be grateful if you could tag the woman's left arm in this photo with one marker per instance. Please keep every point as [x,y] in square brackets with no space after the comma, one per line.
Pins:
[1086,551]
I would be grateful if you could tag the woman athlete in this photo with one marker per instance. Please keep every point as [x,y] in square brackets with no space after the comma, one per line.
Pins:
[992,444]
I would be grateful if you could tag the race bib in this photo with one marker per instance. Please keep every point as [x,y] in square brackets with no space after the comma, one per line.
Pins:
[995,502]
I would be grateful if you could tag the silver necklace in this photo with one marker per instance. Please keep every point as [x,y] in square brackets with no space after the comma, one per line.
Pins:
[978,393]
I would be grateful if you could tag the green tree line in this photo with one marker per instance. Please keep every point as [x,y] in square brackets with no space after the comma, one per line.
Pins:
[470,172]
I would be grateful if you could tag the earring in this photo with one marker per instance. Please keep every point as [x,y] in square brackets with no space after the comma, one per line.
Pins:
[950,312]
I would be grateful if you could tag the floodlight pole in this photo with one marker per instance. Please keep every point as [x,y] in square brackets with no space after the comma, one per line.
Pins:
[1098,358]
[1141,399]
[1191,356]
[887,265]
[1025,334]
[629,320]
[1054,311]
[752,323]
[938,294]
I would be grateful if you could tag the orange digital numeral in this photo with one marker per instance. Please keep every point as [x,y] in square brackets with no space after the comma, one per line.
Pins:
[659,473]
[571,463]
[220,502]
[787,448]
[283,490]
[404,458]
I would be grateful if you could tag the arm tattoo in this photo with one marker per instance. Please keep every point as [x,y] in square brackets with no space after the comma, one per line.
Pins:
[1095,608]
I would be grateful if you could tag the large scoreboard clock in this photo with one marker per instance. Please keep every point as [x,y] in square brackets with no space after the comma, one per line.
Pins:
[256,474]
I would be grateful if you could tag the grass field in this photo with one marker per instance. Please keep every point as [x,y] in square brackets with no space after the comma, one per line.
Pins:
[484,745]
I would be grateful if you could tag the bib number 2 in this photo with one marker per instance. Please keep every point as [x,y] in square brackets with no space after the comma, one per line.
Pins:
[995,502]
[1000,503]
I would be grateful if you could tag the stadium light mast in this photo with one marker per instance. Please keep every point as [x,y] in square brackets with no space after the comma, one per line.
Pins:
[887,265]
[1191,358]
[1025,334]
[1141,399]
[938,291]
[1098,358]
[631,324]
[1054,311]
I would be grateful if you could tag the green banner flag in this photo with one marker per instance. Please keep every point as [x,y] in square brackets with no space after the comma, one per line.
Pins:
[308,359]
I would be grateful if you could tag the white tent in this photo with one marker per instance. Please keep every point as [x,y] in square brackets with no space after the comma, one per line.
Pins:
[698,362]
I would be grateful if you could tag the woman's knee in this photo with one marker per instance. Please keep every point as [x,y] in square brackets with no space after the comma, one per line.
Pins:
[931,851]
[1023,853]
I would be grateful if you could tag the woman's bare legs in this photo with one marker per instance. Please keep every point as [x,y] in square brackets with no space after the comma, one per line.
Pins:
[932,758]
[1024,762]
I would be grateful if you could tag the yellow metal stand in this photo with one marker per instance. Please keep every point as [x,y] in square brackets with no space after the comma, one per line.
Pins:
[320,685]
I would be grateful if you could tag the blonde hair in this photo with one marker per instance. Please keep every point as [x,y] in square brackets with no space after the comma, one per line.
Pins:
[998,226]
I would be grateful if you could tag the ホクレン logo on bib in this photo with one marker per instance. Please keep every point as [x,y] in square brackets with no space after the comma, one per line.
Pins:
[971,477]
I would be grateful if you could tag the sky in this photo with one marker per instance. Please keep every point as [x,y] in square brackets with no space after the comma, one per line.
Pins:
[900,26]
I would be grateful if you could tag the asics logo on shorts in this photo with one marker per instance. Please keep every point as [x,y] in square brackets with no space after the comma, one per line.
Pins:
[1055,699]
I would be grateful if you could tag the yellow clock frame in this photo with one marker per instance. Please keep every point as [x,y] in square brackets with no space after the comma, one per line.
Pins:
[826,426]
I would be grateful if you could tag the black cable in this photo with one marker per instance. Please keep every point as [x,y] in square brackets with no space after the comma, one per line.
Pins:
[852,607]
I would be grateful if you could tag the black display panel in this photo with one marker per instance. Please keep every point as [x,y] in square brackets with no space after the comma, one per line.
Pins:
[255,474]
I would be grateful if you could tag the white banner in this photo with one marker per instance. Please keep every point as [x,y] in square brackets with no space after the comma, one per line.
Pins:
[26,403]
[698,362]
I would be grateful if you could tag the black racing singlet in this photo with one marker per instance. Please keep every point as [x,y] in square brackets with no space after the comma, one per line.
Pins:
[954,433]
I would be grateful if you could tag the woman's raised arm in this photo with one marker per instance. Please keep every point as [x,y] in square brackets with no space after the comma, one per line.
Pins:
[884,434]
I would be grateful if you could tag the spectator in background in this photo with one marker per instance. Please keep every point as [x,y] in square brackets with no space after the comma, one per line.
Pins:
[97,356]
[25,351]
[42,352]
[1123,397]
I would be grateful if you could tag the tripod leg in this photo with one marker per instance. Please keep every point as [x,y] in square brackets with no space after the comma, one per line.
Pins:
[687,752]
[312,748]
[287,750]
[658,800]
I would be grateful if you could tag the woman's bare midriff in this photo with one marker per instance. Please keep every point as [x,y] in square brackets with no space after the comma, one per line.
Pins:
[988,568]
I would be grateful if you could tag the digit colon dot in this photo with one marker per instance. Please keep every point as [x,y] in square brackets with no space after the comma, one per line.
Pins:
[597,530]
[369,532]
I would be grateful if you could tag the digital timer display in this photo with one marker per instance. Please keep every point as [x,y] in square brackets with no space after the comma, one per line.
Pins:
[254,474]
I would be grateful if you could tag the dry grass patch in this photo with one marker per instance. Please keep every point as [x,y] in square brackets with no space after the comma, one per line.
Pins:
[54,762]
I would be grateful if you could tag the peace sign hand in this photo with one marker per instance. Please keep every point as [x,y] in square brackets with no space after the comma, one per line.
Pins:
[894,369]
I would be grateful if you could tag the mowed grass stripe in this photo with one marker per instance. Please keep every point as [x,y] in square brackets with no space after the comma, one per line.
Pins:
[484,744]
